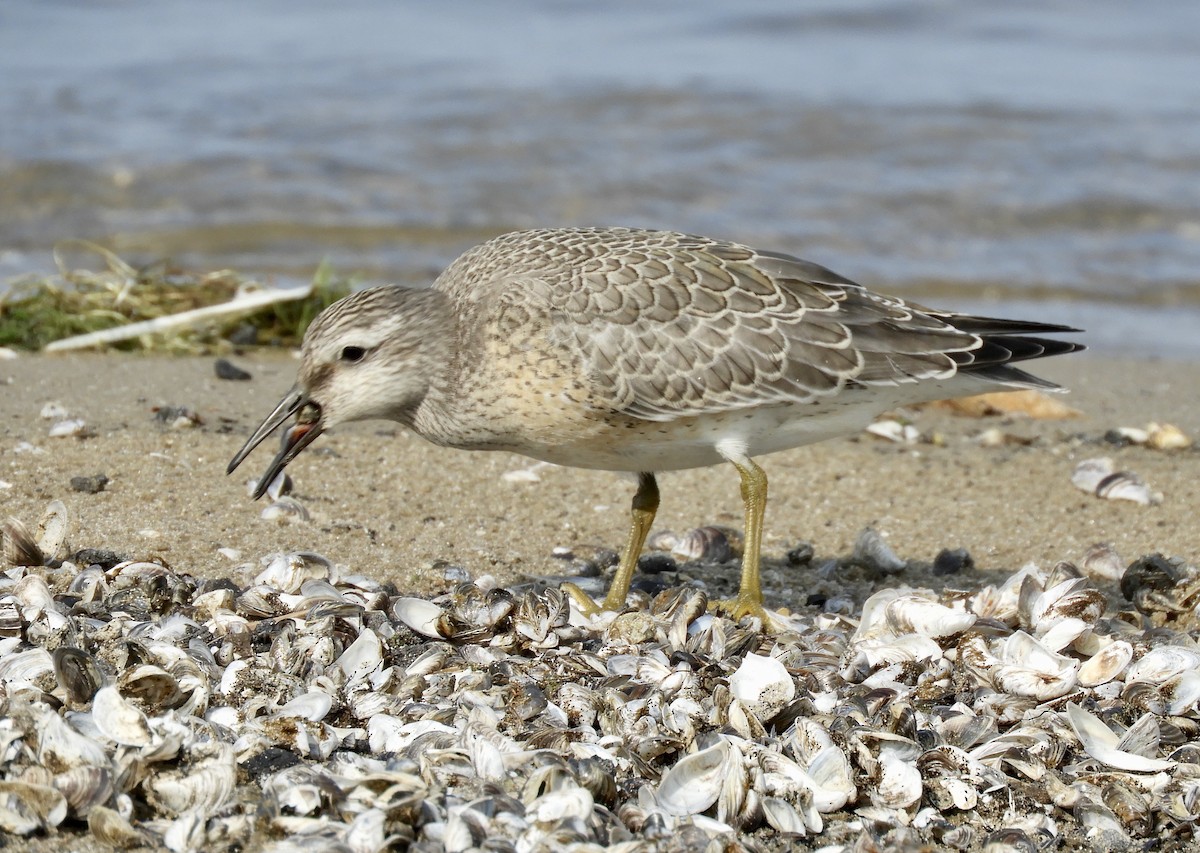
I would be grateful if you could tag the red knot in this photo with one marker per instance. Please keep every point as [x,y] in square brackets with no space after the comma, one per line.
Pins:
[642,351]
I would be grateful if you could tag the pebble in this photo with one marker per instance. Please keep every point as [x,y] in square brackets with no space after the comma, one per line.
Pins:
[951,562]
[90,485]
[226,369]
[801,555]
[653,564]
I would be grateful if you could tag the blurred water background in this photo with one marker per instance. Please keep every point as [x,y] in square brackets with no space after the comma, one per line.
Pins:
[1027,156]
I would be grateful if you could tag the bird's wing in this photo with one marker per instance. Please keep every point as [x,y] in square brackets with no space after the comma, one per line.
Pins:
[665,325]
[676,331]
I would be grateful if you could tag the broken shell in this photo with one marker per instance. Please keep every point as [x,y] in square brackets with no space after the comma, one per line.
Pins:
[286,509]
[1102,562]
[894,430]
[1155,436]
[27,808]
[1100,742]
[763,684]
[109,827]
[1166,437]
[709,544]
[70,428]
[914,614]
[872,551]
[119,720]
[1099,477]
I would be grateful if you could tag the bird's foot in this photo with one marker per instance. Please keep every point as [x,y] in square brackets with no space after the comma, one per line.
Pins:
[743,605]
[588,606]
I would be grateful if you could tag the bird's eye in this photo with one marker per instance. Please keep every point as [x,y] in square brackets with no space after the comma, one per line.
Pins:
[353,354]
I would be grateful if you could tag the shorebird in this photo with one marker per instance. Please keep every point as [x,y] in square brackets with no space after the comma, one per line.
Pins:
[640,351]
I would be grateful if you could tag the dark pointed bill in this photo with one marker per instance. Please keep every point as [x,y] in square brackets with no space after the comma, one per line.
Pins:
[302,434]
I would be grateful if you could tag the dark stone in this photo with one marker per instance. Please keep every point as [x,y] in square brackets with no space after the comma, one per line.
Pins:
[213,584]
[228,370]
[90,485]
[949,562]
[169,414]
[801,555]
[97,557]
[652,585]
[653,564]
[1114,437]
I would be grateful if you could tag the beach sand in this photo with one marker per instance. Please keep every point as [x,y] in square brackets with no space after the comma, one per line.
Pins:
[391,506]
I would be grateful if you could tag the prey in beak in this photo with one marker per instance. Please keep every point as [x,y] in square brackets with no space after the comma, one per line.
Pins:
[306,428]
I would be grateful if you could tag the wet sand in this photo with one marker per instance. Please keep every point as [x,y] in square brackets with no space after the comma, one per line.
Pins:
[390,506]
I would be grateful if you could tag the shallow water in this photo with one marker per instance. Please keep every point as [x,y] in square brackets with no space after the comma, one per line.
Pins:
[959,152]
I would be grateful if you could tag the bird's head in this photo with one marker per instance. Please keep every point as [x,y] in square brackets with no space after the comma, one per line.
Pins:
[370,355]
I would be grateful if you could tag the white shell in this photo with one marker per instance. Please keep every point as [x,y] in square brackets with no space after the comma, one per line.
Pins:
[916,614]
[70,428]
[1100,477]
[312,706]
[203,787]
[26,668]
[894,430]
[119,720]
[52,528]
[361,658]
[900,785]
[1027,668]
[288,572]
[1182,692]
[420,615]
[570,803]
[694,783]
[286,509]
[763,684]
[60,745]
[1162,663]
[1101,743]
[27,808]
[783,817]
[1102,562]
[832,780]
[1106,664]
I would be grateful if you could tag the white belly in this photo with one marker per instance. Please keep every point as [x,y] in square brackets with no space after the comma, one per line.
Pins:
[699,441]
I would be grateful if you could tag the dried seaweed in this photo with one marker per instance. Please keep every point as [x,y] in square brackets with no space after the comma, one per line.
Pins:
[79,299]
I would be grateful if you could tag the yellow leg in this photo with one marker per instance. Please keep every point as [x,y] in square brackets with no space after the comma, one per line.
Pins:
[645,506]
[749,601]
